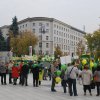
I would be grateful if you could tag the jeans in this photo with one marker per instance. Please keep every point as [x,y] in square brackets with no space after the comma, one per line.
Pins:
[53,84]
[3,78]
[24,79]
[10,77]
[98,88]
[64,84]
[87,87]
[72,82]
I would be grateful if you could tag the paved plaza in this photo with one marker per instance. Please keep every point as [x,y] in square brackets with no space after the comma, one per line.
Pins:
[11,92]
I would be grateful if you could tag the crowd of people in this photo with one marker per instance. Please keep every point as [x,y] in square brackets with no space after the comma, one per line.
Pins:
[68,76]
[20,71]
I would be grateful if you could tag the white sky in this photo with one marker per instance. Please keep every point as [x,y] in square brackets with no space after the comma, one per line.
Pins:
[76,13]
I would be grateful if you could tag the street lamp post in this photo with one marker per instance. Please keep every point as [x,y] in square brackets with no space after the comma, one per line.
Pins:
[42,32]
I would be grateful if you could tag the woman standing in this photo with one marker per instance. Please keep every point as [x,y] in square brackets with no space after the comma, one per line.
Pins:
[86,79]
[3,73]
[97,79]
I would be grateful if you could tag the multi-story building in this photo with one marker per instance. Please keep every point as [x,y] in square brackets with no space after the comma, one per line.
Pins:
[51,33]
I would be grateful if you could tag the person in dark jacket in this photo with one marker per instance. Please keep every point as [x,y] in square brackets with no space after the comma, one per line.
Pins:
[24,74]
[35,71]
[20,72]
[3,73]
[97,79]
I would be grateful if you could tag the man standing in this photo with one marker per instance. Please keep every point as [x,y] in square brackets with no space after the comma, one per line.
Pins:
[72,71]
[54,68]
[10,65]
[3,73]
[24,74]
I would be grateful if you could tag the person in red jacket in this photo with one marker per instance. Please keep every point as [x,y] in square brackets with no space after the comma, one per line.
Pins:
[15,73]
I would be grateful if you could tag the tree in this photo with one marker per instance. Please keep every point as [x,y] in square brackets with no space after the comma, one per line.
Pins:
[90,41]
[57,52]
[14,26]
[21,43]
[96,42]
[93,41]
[80,48]
[2,42]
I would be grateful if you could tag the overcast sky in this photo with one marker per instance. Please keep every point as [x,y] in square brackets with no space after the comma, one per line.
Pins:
[76,13]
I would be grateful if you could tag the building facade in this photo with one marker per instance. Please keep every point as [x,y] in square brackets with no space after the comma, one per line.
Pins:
[51,33]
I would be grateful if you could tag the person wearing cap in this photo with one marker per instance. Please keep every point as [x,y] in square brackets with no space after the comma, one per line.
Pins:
[24,74]
[35,71]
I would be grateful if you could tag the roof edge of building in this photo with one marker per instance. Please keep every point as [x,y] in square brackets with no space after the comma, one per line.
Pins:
[45,19]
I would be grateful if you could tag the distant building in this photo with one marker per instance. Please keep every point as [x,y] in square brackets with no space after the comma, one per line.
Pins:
[54,33]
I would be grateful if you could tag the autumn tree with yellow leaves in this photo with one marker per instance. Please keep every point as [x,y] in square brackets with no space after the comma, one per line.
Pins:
[20,44]
[58,53]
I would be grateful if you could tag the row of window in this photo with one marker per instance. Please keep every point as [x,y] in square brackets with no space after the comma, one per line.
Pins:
[41,24]
[59,33]
[65,47]
[23,26]
[34,24]
[61,28]
[61,40]
[41,30]
[47,37]
[47,45]
[58,27]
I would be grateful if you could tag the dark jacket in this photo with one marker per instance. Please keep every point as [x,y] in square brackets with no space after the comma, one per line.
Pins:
[35,71]
[3,69]
[25,70]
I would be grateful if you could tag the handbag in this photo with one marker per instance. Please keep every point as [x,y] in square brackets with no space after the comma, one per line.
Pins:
[96,78]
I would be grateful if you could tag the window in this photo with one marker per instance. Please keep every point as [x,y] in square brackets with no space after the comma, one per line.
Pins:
[64,40]
[47,24]
[54,31]
[33,24]
[54,39]
[40,30]
[47,37]
[47,45]
[64,47]
[47,52]
[33,30]
[47,30]
[40,44]
[40,24]
[25,30]
[57,32]
[54,25]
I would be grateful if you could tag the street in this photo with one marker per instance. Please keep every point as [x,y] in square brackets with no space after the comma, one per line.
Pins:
[12,92]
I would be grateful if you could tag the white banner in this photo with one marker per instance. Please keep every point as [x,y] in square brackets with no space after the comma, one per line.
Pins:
[65,59]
